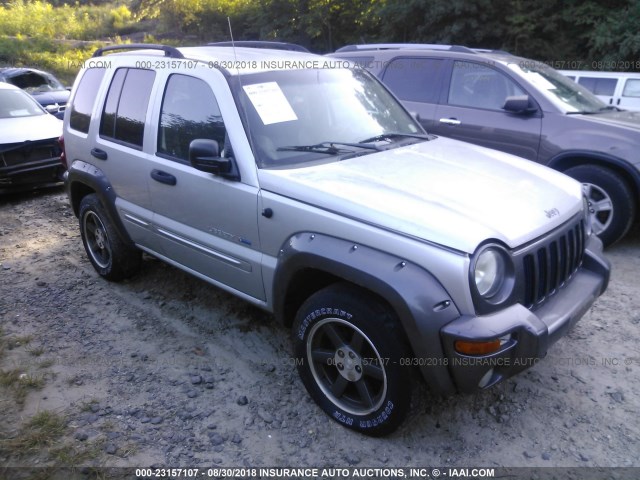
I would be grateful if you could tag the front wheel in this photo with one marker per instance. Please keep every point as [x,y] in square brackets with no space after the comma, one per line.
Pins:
[350,350]
[611,201]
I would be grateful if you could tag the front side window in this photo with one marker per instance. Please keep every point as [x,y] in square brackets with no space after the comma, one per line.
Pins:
[414,79]
[478,86]
[85,98]
[125,109]
[189,111]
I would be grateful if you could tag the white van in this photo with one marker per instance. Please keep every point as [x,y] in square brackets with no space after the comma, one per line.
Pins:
[619,89]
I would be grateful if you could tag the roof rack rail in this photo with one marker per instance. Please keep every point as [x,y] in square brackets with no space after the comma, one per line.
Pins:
[171,52]
[416,46]
[261,44]
[489,50]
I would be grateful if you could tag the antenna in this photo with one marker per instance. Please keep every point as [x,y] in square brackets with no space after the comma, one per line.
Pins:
[243,112]
[233,45]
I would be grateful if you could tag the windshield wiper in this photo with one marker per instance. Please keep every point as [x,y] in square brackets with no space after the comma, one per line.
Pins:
[584,112]
[330,148]
[393,135]
[611,108]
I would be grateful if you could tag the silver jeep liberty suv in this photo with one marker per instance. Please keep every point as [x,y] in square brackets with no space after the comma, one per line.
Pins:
[305,188]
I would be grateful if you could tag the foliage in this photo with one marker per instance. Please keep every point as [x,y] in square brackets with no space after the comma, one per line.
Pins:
[60,58]
[567,33]
[82,22]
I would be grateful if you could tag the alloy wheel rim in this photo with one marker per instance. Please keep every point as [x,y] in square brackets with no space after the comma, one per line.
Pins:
[346,366]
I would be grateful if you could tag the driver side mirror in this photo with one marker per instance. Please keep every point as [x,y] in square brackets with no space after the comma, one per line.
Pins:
[204,155]
[520,104]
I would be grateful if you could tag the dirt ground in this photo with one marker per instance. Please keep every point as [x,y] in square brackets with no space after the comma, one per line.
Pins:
[165,370]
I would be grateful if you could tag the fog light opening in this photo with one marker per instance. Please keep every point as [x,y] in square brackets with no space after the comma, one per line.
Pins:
[486,379]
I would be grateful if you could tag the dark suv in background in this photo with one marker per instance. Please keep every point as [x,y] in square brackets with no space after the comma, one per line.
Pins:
[520,106]
[44,87]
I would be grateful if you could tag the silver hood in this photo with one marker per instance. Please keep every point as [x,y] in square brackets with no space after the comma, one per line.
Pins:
[443,191]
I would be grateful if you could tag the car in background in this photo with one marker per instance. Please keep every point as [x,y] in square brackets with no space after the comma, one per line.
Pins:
[620,89]
[29,148]
[43,86]
[523,107]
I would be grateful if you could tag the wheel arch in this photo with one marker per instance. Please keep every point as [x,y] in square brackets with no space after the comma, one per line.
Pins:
[84,179]
[309,262]
[628,172]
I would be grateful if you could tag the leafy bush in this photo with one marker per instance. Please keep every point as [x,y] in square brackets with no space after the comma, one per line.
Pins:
[83,22]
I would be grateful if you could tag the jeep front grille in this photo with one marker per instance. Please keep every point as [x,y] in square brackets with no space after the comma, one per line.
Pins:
[549,266]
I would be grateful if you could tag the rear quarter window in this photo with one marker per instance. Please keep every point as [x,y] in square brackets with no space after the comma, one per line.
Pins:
[414,79]
[84,100]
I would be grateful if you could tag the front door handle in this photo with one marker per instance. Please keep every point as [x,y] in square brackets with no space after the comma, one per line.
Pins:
[99,154]
[450,121]
[163,177]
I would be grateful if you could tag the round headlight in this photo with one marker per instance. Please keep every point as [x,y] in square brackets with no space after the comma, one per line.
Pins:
[489,272]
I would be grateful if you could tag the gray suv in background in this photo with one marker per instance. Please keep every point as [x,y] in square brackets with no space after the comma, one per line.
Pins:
[523,107]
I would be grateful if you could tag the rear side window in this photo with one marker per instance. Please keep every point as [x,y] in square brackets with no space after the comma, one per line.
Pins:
[631,88]
[85,98]
[189,111]
[125,109]
[414,79]
[599,86]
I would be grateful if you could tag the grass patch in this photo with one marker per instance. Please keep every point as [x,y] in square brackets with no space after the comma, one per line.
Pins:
[42,430]
[19,341]
[23,339]
[72,455]
[20,383]
[36,351]
[9,378]
[46,363]
[87,406]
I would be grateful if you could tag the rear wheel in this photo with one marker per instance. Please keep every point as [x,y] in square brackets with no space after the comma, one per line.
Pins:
[611,201]
[110,256]
[350,352]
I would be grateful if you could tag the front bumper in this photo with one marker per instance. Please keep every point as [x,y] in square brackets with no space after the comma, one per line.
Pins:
[526,335]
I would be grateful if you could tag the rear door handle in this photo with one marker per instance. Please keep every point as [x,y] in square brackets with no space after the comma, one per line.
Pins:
[163,177]
[99,154]
[450,121]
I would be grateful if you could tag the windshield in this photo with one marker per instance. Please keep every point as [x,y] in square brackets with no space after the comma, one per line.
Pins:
[561,90]
[300,116]
[34,82]
[16,103]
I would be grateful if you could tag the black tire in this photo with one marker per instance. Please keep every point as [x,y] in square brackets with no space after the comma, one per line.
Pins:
[349,349]
[110,256]
[611,201]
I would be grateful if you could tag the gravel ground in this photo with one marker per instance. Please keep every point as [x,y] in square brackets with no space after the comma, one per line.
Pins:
[166,370]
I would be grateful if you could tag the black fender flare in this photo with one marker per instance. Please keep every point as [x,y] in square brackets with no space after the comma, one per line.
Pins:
[419,300]
[83,178]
